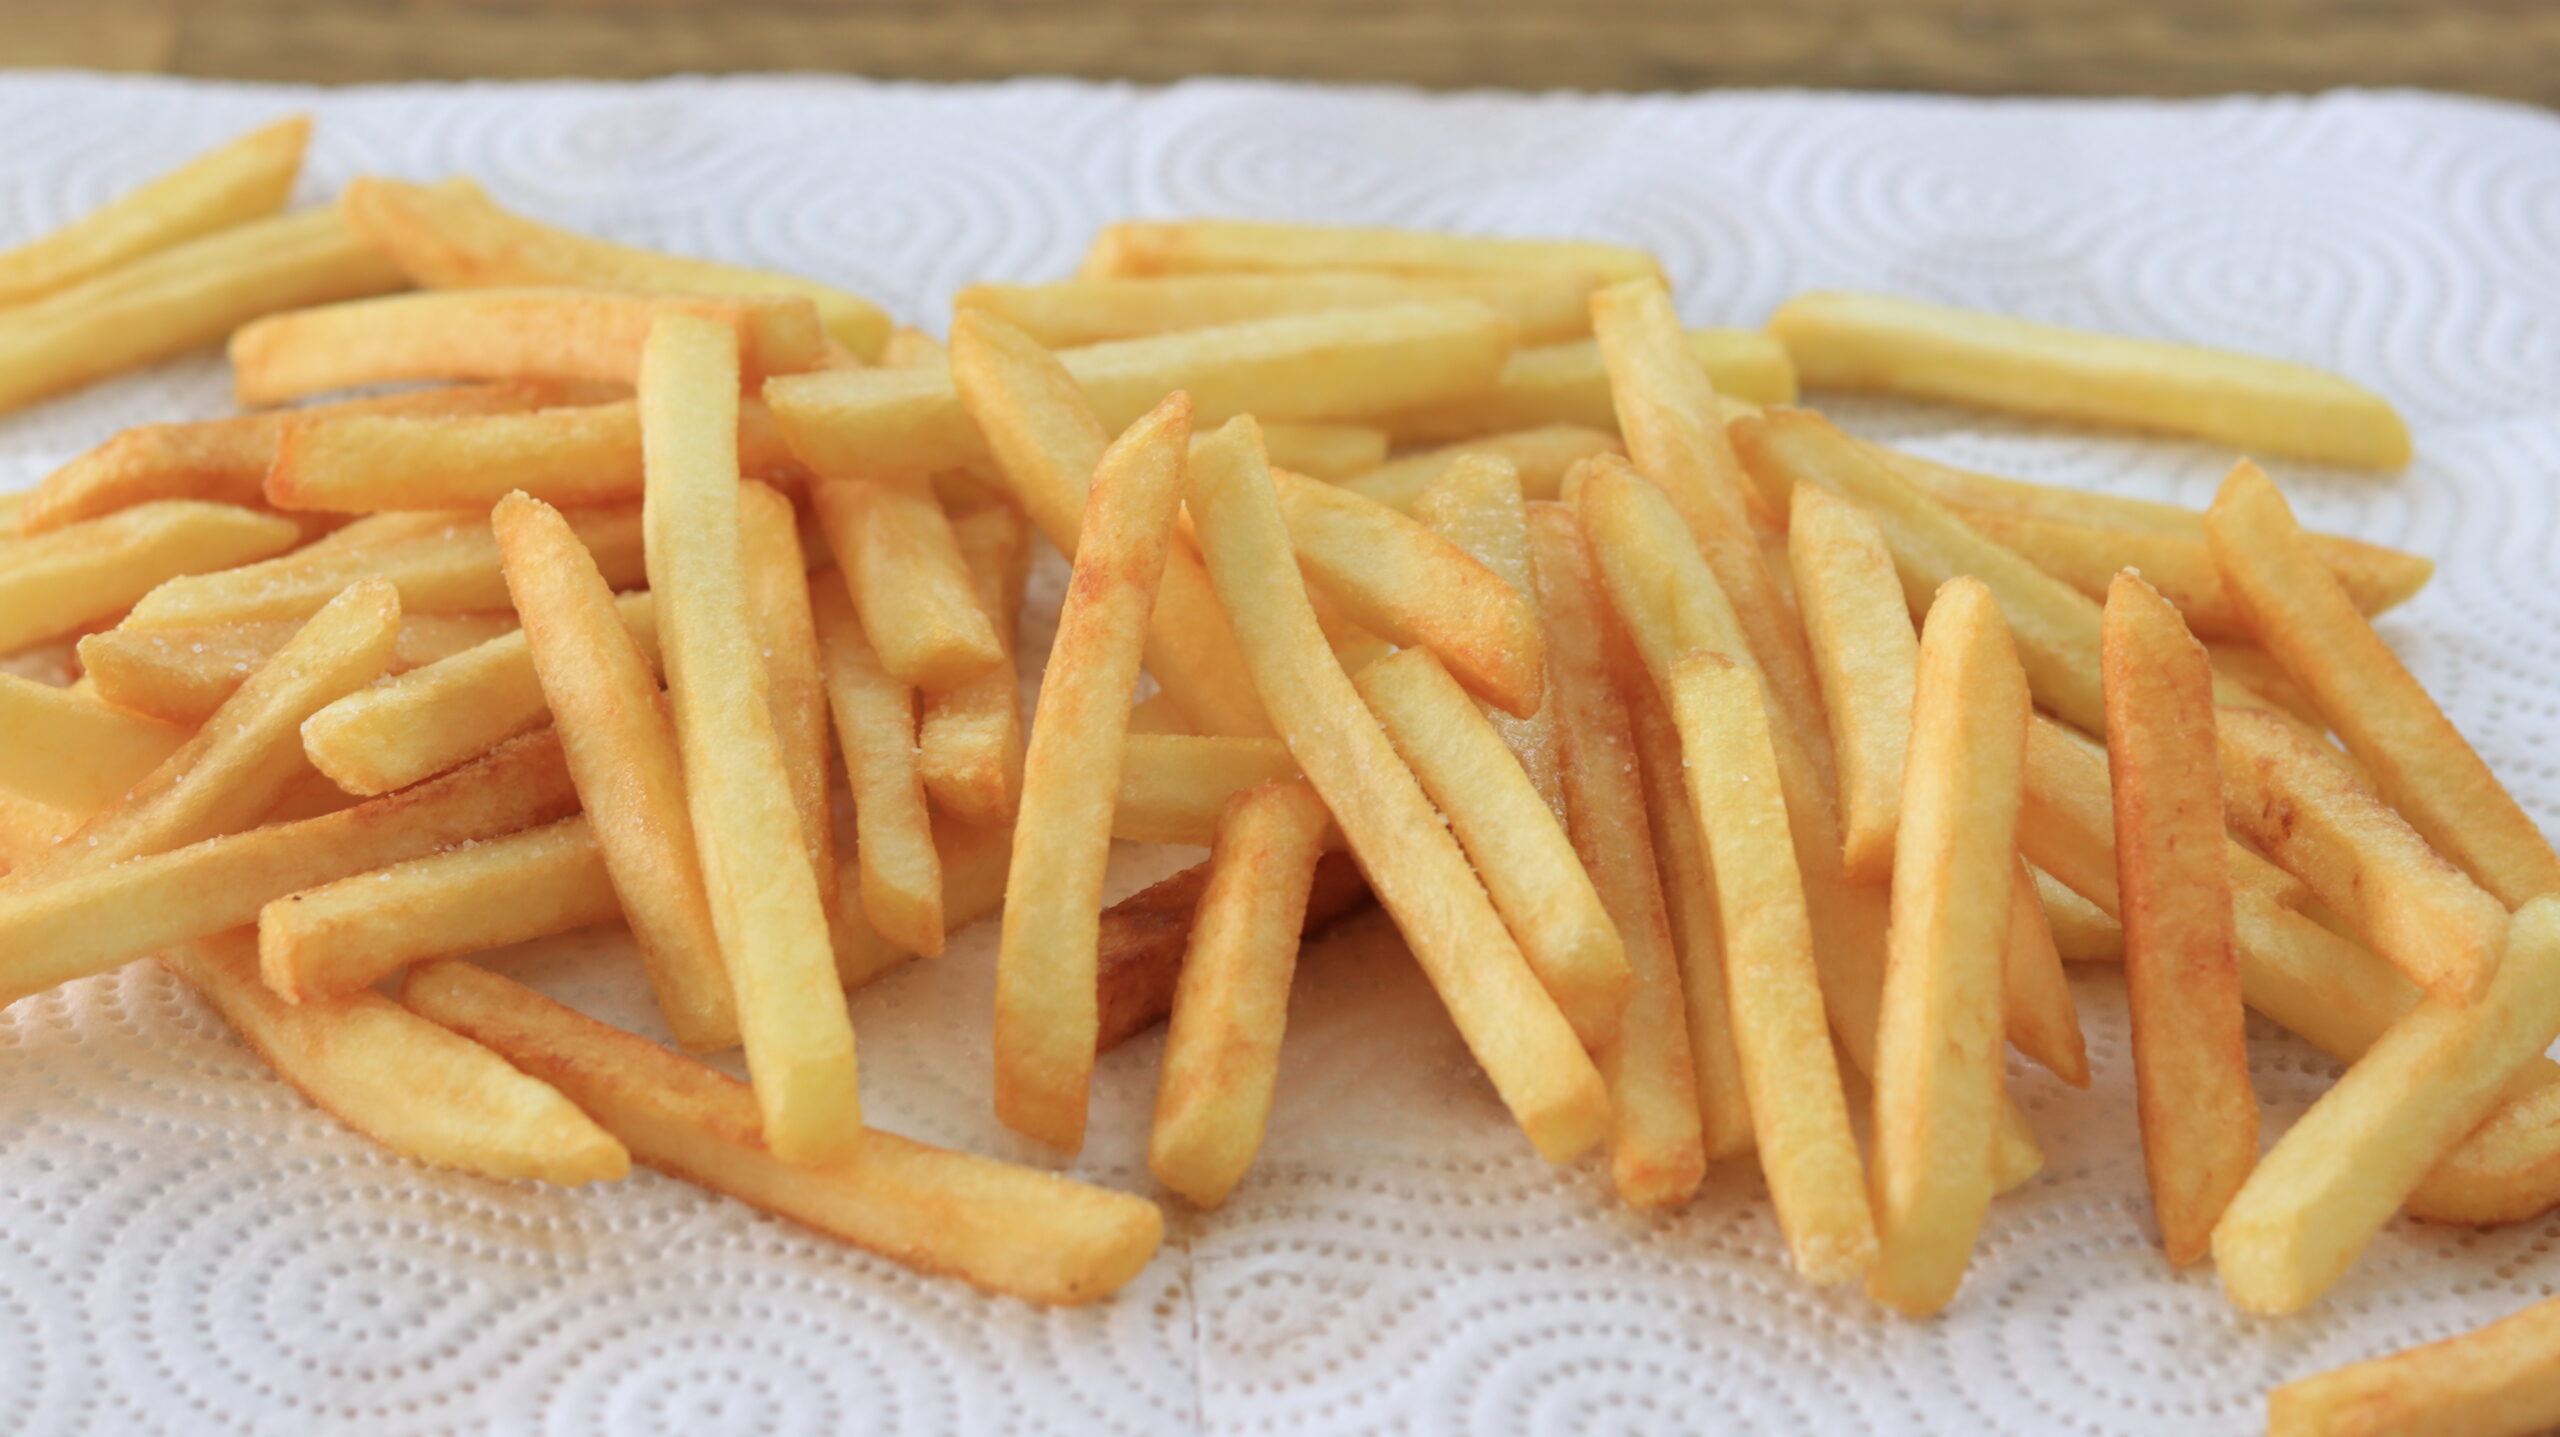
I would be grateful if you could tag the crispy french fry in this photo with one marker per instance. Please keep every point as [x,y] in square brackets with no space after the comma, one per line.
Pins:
[1510,1024]
[1145,935]
[237,765]
[1539,456]
[1567,384]
[2299,803]
[455,237]
[245,179]
[912,348]
[764,898]
[2082,931]
[2036,1007]
[1331,452]
[2336,1176]
[969,736]
[1046,1018]
[1169,247]
[68,578]
[72,750]
[2182,978]
[183,675]
[897,864]
[579,334]
[1864,653]
[1015,1230]
[2248,667]
[900,562]
[52,933]
[795,683]
[400,1080]
[1174,787]
[1541,305]
[1477,505]
[975,859]
[1158,713]
[2420,763]
[1222,1045]
[2500,1380]
[595,674]
[1047,441]
[2067,824]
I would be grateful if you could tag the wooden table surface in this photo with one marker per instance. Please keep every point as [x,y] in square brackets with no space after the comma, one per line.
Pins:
[2165,47]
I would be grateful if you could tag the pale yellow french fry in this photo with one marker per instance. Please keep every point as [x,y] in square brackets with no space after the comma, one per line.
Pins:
[2501,1380]
[183,675]
[897,865]
[183,298]
[1539,456]
[764,899]
[1865,653]
[1210,246]
[242,180]
[969,736]
[2036,1007]
[1174,787]
[2082,931]
[575,334]
[593,666]
[975,859]
[1568,384]
[72,750]
[912,348]
[1929,351]
[237,765]
[1542,306]
[453,237]
[1047,441]
[2337,1175]
[2420,763]
[900,562]
[795,684]
[1222,1043]
[1514,1029]
[81,574]
[2067,824]
[1159,714]
[1331,452]
[404,1082]
[2248,667]
[1046,1014]
[1476,504]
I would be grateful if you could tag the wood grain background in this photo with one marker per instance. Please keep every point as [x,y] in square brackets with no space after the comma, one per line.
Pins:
[2508,48]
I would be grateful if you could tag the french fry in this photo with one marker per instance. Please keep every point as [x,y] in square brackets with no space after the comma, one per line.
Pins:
[183,298]
[969,736]
[2246,666]
[2182,978]
[897,864]
[572,334]
[454,237]
[1145,935]
[1539,456]
[73,750]
[446,713]
[29,827]
[1167,247]
[183,675]
[2500,1380]
[1566,384]
[974,859]
[68,578]
[2066,826]
[1174,787]
[2036,1008]
[1046,1019]
[912,348]
[325,943]
[443,564]
[2298,802]
[900,562]
[1331,452]
[1864,653]
[1343,364]
[52,933]
[2082,931]
[1047,441]
[1409,586]
[1158,713]
[1542,305]
[400,1080]
[795,687]
[592,664]
[1514,1029]
[236,766]
[764,898]
[1222,1045]
[1477,505]
[242,180]
[2420,763]
[2331,1182]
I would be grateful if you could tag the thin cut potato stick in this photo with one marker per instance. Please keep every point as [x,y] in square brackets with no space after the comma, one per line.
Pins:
[1477,505]
[2500,1380]
[400,1080]
[2067,823]
[453,236]
[1929,351]
[1047,441]
[2182,978]
[2082,931]
[1542,306]
[241,180]
[1158,713]
[1222,1046]
[1046,1019]
[897,864]
[764,898]
[1145,936]
[1331,452]
[69,578]
[596,675]
[912,348]
[2420,763]
[2340,1172]
[183,675]
[1568,384]
[2299,803]
[1015,1230]
[222,779]
[969,736]
[1209,246]
[73,750]
[795,684]
[2246,666]
[2037,1012]
[499,334]
[1514,1029]
[1539,456]
[919,606]
[1175,787]
[974,859]
[1865,653]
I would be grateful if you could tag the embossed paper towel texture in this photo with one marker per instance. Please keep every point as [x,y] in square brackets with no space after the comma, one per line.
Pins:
[186,1246]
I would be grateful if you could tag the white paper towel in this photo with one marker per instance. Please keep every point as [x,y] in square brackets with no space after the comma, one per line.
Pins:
[186,1246]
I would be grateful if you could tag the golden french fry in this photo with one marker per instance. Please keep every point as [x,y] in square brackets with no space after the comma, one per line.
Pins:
[400,1080]
[594,673]
[1541,305]
[1476,504]
[897,864]
[912,348]
[1158,713]
[581,334]
[1047,441]
[455,237]
[795,684]
[1222,1047]
[2247,667]
[1510,1024]
[1174,787]
[2182,978]
[975,859]
[969,736]
[245,179]
[1928,351]
[1168,247]
[1145,935]
[1568,384]
[1539,456]
[1331,452]
[2501,1380]
[183,675]
[764,898]
[1046,1019]
[903,567]
[68,578]
[1864,653]
[1031,1234]
[2036,1008]
[73,750]
[2082,931]
[2336,1176]
[2420,763]
[2067,824]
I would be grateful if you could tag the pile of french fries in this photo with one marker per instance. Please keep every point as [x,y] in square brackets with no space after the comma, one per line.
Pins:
[1692,745]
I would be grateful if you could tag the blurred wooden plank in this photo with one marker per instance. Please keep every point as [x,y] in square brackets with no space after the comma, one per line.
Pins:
[129,35]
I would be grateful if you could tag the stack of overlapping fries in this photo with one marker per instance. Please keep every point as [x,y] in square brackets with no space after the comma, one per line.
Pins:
[1691,744]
